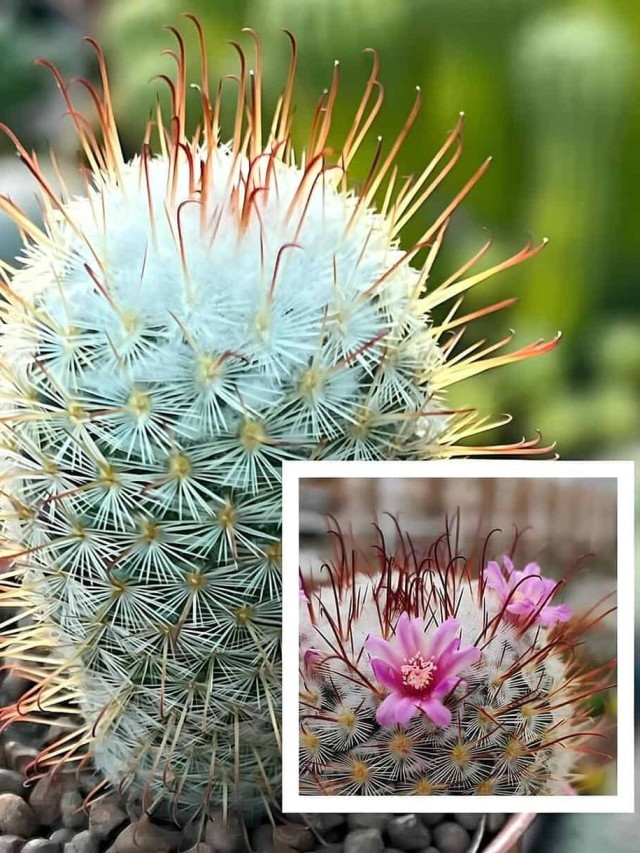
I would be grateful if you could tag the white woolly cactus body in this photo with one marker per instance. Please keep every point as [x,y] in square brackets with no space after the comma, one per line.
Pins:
[201,314]
[429,677]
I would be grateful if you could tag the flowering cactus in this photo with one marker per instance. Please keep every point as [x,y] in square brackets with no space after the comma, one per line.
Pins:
[198,315]
[438,676]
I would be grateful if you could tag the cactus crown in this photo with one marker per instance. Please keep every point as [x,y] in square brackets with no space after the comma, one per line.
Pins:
[199,314]
[425,672]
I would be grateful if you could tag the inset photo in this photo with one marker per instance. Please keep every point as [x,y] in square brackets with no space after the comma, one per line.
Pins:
[459,629]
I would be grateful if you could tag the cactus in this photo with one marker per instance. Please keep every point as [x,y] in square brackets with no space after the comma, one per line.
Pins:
[199,315]
[428,676]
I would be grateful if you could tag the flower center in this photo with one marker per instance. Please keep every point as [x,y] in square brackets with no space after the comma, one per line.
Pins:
[417,672]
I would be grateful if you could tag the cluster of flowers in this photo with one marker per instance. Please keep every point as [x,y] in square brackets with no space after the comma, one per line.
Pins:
[420,670]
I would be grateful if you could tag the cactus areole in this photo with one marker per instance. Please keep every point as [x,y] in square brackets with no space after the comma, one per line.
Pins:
[202,312]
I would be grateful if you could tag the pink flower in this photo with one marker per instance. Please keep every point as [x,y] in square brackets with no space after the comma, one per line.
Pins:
[528,593]
[418,670]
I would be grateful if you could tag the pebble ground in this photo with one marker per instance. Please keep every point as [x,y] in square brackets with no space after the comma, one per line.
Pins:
[50,816]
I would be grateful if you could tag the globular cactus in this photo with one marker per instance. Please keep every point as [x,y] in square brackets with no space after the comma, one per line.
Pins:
[199,315]
[426,673]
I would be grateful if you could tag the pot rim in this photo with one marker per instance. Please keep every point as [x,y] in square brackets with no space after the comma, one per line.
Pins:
[510,833]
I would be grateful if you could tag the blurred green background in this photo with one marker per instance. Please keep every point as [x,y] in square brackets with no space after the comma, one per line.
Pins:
[549,88]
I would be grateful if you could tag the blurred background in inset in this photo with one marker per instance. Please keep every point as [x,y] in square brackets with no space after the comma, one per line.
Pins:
[549,88]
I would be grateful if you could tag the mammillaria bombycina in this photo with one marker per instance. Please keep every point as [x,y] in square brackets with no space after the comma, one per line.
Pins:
[201,312]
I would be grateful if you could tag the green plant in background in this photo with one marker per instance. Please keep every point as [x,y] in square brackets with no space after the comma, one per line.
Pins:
[563,124]
[204,311]
[23,35]
[26,30]
[439,676]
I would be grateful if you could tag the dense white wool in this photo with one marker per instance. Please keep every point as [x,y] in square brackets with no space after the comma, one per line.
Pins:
[345,749]
[288,306]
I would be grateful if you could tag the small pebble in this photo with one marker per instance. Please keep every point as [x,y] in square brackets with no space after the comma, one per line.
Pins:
[332,848]
[11,782]
[73,813]
[40,845]
[263,841]
[61,836]
[375,820]
[324,821]
[451,838]
[431,818]
[331,820]
[28,733]
[201,847]
[262,837]
[408,832]
[296,836]
[12,688]
[145,837]
[45,798]
[60,727]
[83,842]
[86,782]
[105,816]
[224,836]
[469,821]
[11,844]
[495,822]
[364,841]
[19,755]
[16,816]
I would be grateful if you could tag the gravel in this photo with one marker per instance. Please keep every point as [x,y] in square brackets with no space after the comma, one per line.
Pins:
[83,842]
[40,845]
[11,844]
[375,820]
[105,816]
[72,807]
[44,799]
[49,816]
[469,821]
[364,841]
[408,832]
[11,782]
[16,816]
[450,837]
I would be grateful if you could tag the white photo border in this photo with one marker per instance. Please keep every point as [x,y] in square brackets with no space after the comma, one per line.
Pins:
[622,471]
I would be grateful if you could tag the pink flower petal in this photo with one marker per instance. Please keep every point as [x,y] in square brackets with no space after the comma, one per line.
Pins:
[445,686]
[438,713]
[494,578]
[443,636]
[396,709]
[552,614]
[520,608]
[410,634]
[526,594]
[508,564]
[532,569]
[387,675]
[377,647]
[455,661]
